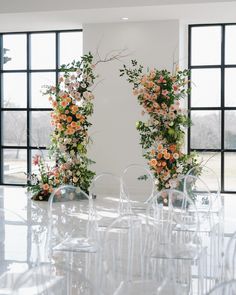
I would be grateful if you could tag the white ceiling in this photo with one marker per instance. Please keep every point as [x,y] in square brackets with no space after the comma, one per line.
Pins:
[15,6]
[30,15]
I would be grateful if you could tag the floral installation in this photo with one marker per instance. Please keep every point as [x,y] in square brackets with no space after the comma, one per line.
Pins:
[162,134]
[72,103]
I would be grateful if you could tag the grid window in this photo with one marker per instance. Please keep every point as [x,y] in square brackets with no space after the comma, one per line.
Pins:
[212,101]
[29,61]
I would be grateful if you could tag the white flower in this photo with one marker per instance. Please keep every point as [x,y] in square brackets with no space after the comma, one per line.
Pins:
[173,183]
[157,181]
[179,169]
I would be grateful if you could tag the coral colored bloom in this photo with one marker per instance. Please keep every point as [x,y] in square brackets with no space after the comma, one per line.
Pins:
[54,104]
[153,162]
[73,124]
[160,147]
[159,156]
[45,187]
[69,119]
[64,103]
[163,163]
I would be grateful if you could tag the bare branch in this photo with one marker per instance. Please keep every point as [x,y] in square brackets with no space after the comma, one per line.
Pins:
[112,55]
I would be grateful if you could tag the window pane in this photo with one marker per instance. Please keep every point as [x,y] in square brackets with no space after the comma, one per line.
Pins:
[205,91]
[14,90]
[230,44]
[43,51]
[15,52]
[14,166]
[213,161]
[206,45]
[205,132]
[230,131]
[14,128]
[230,94]
[71,47]
[40,129]
[230,171]
[38,82]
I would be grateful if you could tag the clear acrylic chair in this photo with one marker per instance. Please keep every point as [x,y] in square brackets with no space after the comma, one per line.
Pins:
[179,223]
[230,258]
[210,210]
[109,201]
[138,186]
[225,288]
[54,280]
[71,221]
[130,266]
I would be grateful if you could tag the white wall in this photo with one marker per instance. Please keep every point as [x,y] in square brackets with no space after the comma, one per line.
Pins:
[116,141]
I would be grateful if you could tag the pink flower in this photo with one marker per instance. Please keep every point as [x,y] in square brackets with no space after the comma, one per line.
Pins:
[36,159]
[165,92]
[161,80]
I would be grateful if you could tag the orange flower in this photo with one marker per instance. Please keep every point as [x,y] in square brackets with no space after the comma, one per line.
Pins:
[69,119]
[153,152]
[75,108]
[163,163]
[54,104]
[160,147]
[73,124]
[64,103]
[172,148]
[153,162]
[68,99]
[78,115]
[45,187]
[159,156]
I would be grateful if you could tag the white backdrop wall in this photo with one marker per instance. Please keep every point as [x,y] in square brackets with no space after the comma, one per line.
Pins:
[154,44]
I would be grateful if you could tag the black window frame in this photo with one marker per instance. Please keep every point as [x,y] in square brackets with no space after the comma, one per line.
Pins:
[222,108]
[28,109]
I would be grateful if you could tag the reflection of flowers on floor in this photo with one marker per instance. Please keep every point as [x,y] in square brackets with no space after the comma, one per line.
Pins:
[162,134]
[71,100]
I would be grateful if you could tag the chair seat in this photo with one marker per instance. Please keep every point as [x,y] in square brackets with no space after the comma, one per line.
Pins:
[137,288]
[77,245]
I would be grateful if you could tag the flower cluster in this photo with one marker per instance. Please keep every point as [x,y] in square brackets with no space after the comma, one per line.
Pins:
[71,101]
[162,134]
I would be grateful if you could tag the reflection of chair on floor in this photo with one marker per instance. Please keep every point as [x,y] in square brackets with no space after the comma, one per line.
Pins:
[138,185]
[230,259]
[129,260]
[53,280]
[16,248]
[225,288]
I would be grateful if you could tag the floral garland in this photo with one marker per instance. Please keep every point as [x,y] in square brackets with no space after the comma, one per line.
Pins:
[162,134]
[71,100]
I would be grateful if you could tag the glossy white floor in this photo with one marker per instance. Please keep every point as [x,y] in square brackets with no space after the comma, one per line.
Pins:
[18,236]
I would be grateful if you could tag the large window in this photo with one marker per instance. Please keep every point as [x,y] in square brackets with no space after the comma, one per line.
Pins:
[212,102]
[28,61]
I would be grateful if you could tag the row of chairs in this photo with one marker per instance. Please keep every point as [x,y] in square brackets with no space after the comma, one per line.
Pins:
[147,244]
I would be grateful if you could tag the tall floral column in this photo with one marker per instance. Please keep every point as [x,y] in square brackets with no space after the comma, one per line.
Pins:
[72,103]
[162,134]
